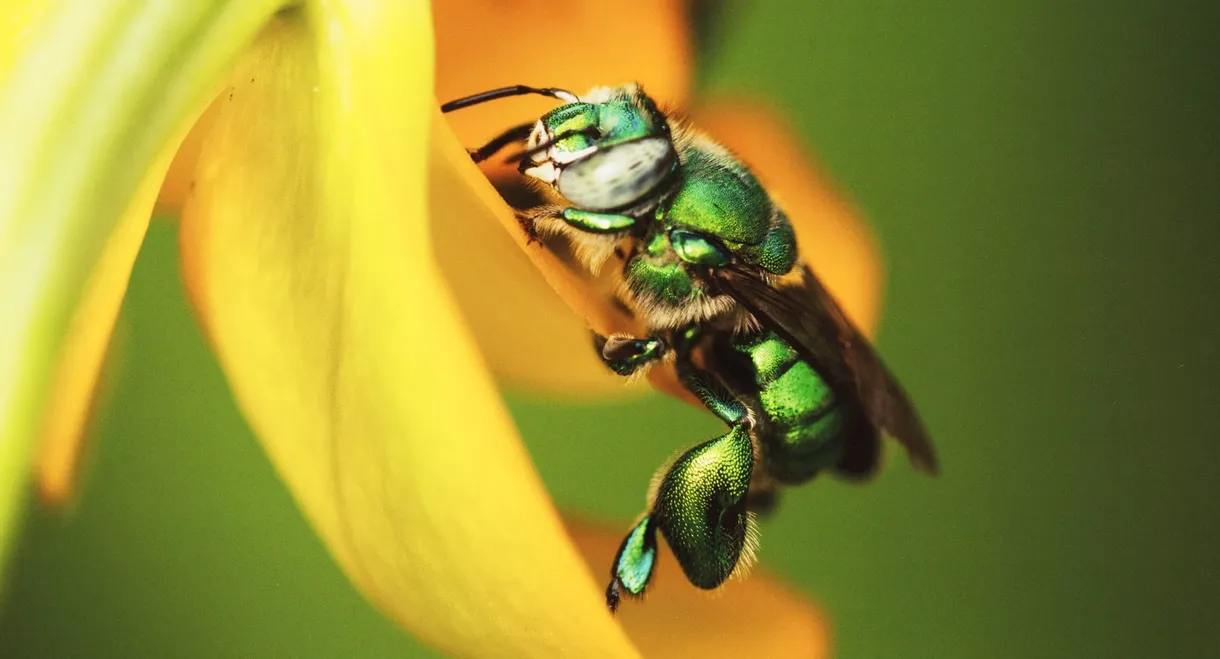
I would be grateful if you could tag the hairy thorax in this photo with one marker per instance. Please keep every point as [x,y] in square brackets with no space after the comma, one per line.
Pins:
[662,289]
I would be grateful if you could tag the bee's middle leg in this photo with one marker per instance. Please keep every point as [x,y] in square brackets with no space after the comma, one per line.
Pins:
[626,354]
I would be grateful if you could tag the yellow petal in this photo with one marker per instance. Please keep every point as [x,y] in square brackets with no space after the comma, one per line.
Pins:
[754,617]
[86,111]
[181,175]
[19,21]
[528,335]
[306,250]
[833,239]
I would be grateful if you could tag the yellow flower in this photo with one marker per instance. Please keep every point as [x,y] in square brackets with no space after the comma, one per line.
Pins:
[326,212]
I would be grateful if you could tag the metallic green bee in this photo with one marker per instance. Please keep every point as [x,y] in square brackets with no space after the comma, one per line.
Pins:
[710,267]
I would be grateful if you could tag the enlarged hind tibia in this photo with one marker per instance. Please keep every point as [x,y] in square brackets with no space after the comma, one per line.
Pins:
[700,507]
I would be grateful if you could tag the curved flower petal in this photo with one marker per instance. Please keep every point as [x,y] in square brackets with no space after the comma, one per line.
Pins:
[526,333]
[306,252]
[484,44]
[85,347]
[79,107]
[755,617]
[833,239]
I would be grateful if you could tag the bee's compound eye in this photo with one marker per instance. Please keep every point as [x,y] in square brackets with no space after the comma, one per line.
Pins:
[700,250]
[618,175]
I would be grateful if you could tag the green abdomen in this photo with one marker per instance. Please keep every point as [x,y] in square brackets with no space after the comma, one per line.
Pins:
[797,419]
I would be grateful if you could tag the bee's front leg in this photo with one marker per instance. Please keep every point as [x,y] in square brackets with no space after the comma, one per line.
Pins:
[594,222]
[550,219]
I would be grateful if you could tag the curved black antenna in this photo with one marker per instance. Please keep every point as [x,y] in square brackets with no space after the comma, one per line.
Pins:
[505,92]
[514,134]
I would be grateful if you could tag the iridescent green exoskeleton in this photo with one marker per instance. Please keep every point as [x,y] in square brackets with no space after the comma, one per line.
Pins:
[709,266]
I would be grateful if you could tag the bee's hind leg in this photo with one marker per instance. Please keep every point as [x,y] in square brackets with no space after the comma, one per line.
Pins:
[700,506]
[763,496]
[699,503]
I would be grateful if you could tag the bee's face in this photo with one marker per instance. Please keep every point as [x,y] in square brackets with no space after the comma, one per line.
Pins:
[613,149]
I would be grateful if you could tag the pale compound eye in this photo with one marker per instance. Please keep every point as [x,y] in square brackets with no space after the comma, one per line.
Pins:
[617,175]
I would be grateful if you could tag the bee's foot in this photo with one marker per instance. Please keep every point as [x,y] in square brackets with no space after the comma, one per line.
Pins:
[531,231]
[612,596]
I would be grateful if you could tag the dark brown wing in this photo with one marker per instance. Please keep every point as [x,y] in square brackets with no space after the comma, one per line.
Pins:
[810,319]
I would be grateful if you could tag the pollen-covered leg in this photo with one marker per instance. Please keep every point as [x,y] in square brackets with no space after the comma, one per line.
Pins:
[700,508]
[633,564]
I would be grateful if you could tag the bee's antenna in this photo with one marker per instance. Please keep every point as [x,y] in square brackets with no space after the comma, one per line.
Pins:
[505,92]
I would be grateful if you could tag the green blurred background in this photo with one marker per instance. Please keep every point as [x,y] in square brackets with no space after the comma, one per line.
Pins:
[1043,179]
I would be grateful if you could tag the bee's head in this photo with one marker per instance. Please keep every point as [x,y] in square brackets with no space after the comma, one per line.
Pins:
[607,150]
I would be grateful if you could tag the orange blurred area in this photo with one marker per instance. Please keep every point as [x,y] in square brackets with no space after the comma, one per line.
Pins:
[485,44]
